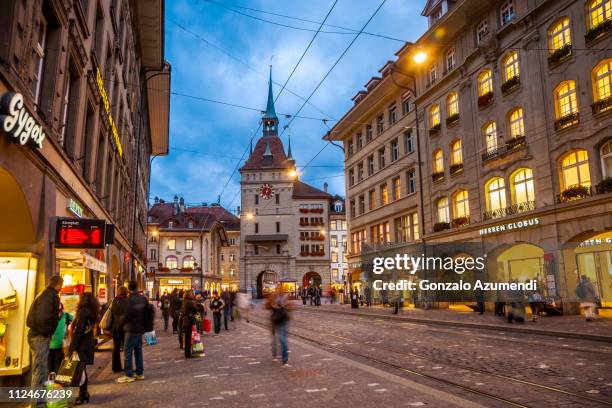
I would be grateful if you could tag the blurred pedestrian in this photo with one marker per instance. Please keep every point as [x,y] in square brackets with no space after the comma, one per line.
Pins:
[517,305]
[118,307]
[178,303]
[227,307]
[83,342]
[133,324]
[354,299]
[586,293]
[479,295]
[216,307]
[279,305]
[232,304]
[175,309]
[332,294]
[189,310]
[164,305]
[318,292]
[56,345]
[536,304]
[368,296]
[243,303]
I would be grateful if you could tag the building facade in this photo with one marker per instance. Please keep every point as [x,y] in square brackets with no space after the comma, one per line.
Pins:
[283,221]
[80,119]
[188,246]
[338,250]
[513,112]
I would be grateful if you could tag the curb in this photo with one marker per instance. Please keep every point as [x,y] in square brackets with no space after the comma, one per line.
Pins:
[509,328]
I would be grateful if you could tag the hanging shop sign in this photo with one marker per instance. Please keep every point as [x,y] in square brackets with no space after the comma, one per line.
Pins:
[75,208]
[80,233]
[511,226]
[94,263]
[18,122]
[107,109]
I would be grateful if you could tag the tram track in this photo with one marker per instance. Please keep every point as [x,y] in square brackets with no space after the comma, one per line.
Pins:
[421,374]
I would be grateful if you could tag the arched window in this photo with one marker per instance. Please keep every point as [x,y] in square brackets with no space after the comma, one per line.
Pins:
[559,35]
[521,185]
[566,103]
[602,79]
[510,65]
[461,204]
[485,82]
[495,190]
[516,123]
[171,262]
[434,115]
[452,104]
[575,169]
[438,161]
[188,262]
[490,134]
[443,210]
[599,11]
[606,158]
[456,154]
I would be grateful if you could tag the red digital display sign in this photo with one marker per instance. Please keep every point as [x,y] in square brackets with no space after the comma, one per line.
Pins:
[80,233]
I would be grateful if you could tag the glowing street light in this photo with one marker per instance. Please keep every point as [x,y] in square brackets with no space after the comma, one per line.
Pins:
[249,216]
[293,174]
[419,57]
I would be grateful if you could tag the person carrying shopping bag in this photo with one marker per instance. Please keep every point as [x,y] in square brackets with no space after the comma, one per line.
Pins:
[189,310]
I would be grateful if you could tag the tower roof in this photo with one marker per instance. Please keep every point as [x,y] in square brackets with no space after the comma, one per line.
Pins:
[270,111]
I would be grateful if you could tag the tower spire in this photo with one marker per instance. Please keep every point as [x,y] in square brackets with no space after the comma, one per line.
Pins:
[270,120]
[289,156]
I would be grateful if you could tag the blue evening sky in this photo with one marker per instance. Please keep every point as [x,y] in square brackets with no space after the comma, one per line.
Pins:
[207,139]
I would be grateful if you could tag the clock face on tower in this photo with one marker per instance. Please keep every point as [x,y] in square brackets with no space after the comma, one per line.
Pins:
[266,192]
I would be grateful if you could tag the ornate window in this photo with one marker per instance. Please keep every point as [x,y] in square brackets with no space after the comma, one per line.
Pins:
[490,134]
[495,191]
[510,65]
[485,82]
[189,262]
[461,204]
[599,11]
[450,59]
[434,115]
[566,103]
[171,262]
[602,79]
[559,35]
[606,158]
[521,185]
[438,161]
[452,104]
[575,169]
[443,210]
[455,152]
[516,123]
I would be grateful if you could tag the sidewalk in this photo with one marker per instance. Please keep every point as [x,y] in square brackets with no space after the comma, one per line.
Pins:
[561,326]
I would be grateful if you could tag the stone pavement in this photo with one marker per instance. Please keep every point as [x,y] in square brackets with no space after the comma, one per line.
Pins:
[238,371]
[567,326]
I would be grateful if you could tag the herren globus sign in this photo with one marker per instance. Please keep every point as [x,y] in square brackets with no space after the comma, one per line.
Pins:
[18,122]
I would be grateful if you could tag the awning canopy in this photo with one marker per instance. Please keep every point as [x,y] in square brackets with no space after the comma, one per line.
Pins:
[267,238]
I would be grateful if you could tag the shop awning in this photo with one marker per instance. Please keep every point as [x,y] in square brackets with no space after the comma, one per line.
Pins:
[267,238]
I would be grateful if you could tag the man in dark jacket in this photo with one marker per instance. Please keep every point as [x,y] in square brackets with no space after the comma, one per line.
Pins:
[133,325]
[164,305]
[227,309]
[42,320]
[118,309]
[216,306]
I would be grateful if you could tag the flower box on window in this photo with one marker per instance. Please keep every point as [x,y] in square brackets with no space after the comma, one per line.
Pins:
[516,143]
[460,222]
[437,177]
[567,121]
[602,105]
[598,31]
[187,269]
[441,226]
[605,186]
[434,130]
[304,223]
[164,269]
[452,120]
[317,210]
[574,193]
[304,253]
[560,55]
[321,253]
[318,238]
[511,85]
[303,210]
[456,169]
[485,100]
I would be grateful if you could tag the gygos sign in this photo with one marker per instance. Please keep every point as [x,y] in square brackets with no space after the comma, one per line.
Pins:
[17,121]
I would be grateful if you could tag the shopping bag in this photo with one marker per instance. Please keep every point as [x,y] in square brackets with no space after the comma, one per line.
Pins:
[236,313]
[106,323]
[150,338]
[206,325]
[197,347]
[50,385]
[70,372]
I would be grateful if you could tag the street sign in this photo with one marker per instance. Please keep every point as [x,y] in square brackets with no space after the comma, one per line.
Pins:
[80,233]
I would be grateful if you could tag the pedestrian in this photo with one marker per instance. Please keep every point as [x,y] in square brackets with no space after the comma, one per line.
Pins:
[83,342]
[536,304]
[216,307]
[304,295]
[118,307]
[586,293]
[232,304]
[479,295]
[175,309]
[517,305]
[133,324]
[354,300]
[56,345]
[227,308]
[164,305]
[243,303]
[201,305]
[178,302]
[280,307]
[43,316]
[368,295]
[332,299]
[189,310]
[500,303]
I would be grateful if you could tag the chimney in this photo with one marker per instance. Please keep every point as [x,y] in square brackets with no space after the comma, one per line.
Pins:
[156,201]
[238,210]
[175,206]
[325,186]
[182,205]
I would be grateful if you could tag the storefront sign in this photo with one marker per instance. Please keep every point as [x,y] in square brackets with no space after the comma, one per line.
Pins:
[93,263]
[17,121]
[531,222]
[107,109]
[80,233]
[174,282]
[75,208]
[596,242]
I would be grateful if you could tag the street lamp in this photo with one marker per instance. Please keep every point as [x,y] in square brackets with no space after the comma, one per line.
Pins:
[419,57]
[293,174]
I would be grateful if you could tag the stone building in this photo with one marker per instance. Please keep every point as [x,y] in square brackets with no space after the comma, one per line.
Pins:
[283,221]
[90,81]
[338,249]
[513,112]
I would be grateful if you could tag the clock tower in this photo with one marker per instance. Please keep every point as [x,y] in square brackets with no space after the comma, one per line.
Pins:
[269,219]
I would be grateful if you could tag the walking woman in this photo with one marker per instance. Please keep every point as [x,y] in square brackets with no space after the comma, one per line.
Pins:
[189,309]
[83,343]
[118,310]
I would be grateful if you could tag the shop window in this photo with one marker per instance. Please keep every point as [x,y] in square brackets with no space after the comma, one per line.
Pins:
[485,82]
[510,66]
[495,191]
[490,134]
[461,204]
[452,104]
[456,152]
[575,169]
[434,116]
[443,210]
[516,123]
[171,262]
[521,186]
[559,35]
[566,103]
[189,262]
[438,161]
[606,158]
[602,80]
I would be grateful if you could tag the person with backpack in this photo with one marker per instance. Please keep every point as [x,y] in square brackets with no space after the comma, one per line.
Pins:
[164,305]
[279,306]
[216,306]
[43,316]
[135,319]
[118,307]
[56,346]
[586,293]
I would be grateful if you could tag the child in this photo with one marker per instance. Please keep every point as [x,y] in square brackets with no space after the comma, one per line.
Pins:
[56,351]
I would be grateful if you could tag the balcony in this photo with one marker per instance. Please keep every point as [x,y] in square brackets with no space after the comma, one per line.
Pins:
[460,222]
[510,210]
[511,85]
[574,193]
[434,130]
[456,169]
[560,55]
[485,100]
[322,253]
[437,177]
[441,226]
[567,121]
[510,146]
[452,120]
[598,32]
[602,105]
